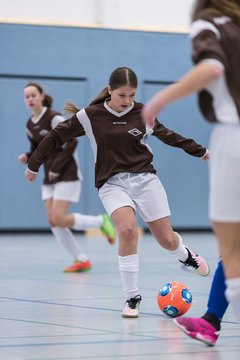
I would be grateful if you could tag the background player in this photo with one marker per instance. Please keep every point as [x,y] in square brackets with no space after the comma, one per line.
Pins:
[62,179]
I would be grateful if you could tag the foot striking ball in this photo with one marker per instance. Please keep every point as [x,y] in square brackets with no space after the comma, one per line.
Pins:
[174,299]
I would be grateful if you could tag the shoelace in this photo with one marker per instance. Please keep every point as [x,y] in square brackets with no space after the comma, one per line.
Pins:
[134,301]
[191,261]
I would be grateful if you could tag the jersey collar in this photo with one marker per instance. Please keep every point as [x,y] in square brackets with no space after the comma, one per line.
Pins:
[118,114]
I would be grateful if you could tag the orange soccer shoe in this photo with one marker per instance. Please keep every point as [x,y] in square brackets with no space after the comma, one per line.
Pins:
[79,266]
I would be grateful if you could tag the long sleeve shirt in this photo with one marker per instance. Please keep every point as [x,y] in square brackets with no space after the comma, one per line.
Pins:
[119,140]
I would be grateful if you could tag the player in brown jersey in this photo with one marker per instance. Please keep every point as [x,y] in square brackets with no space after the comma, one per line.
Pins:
[125,175]
[62,179]
[215,35]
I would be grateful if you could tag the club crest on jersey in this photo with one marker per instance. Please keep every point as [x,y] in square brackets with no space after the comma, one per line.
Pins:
[135,132]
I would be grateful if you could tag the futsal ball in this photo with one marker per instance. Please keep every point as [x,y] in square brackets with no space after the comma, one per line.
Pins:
[174,299]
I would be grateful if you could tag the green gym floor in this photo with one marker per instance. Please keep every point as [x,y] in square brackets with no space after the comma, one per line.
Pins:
[49,315]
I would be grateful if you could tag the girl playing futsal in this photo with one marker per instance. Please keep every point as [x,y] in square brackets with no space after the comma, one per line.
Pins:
[124,174]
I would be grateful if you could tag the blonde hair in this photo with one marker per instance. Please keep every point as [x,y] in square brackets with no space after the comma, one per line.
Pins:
[230,8]
[70,108]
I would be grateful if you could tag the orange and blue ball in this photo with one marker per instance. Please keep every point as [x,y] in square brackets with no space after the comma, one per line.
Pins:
[174,299]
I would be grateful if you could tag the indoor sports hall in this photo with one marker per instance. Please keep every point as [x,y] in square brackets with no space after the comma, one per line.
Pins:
[70,48]
[48,315]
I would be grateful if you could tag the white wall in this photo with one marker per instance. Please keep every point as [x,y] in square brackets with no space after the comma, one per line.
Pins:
[150,15]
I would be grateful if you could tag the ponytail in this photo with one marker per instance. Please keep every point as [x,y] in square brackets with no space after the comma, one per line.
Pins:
[101,97]
[47,100]
[70,108]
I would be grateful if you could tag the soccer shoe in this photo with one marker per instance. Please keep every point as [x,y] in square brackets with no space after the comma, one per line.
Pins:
[199,329]
[196,262]
[131,307]
[79,266]
[108,229]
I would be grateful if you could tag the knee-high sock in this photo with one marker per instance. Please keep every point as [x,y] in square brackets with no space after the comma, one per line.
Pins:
[233,295]
[217,302]
[66,238]
[181,251]
[129,267]
[83,222]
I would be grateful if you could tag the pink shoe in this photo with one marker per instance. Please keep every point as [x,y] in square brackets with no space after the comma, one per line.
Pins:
[196,262]
[198,328]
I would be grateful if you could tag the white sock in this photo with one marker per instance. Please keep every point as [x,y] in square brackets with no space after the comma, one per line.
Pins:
[83,222]
[181,251]
[129,267]
[66,238]
[233,295]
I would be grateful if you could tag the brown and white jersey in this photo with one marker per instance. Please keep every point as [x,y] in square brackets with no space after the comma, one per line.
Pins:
[216,39]
[118,140]
[63,160]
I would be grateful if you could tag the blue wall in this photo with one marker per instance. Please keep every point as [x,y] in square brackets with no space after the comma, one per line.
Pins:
[75,63]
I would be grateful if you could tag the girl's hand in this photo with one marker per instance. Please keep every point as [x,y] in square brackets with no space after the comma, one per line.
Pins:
[30,176]
[23,158]
[206,156]
[148,116]
[152,109]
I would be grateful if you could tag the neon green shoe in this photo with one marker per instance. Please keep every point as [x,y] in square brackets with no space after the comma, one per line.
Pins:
[108,229]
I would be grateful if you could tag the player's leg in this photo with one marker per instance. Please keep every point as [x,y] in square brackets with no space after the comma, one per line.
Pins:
[65,237]
[172,241]
[116,200]
[79,221]
[225,205]
[206,329]
[229,241]
[70,191]
[126,226]
[152,204]
[217,302]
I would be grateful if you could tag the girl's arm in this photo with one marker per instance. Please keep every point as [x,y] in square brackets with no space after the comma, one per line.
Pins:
[195,80]
[174,139]
[57,137]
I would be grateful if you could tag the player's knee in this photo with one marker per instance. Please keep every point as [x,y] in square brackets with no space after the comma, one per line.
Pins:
[50,222]
[128,231]
[56,219]
[168,242]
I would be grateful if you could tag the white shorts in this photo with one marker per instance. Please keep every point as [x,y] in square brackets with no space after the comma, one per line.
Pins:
[63,190]
[224,199]
[143,192]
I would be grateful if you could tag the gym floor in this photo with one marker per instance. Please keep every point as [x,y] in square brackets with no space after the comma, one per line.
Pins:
[49,315]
